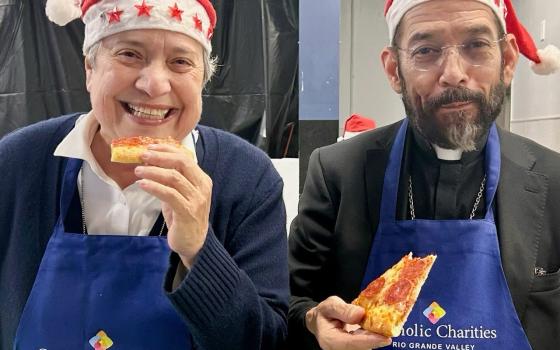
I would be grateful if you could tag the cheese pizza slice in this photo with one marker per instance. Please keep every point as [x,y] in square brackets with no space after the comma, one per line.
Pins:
[129,149]
[389,299]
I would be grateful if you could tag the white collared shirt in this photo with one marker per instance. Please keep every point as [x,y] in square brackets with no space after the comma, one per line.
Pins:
[109,209]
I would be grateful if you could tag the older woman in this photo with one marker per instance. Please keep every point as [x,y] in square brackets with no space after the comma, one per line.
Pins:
[87,244]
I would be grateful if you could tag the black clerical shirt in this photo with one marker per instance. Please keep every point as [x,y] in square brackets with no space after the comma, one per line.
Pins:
[441,189]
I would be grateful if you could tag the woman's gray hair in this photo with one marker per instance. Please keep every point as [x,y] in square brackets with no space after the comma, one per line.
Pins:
[209,62]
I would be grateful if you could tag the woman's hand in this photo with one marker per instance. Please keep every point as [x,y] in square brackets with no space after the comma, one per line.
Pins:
[172,175]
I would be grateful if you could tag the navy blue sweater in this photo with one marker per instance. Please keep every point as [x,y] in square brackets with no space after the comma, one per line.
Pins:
[236,294]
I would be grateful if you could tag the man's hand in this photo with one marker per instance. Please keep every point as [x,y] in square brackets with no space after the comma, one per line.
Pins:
[185,191]
[328,320]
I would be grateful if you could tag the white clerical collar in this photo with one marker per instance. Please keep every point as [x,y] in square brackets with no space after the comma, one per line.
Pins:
[447,154]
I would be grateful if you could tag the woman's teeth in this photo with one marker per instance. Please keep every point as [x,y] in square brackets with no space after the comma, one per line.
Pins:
[148,113]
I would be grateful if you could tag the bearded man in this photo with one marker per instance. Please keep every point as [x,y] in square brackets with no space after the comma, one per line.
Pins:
[443,181]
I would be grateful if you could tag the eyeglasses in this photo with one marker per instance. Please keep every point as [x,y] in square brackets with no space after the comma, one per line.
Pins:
[477,52]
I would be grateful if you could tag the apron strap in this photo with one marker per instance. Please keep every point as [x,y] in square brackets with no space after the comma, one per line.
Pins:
[493,166]
[69,183]
[392,174]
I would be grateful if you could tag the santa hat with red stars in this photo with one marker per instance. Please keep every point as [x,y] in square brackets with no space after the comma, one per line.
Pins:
[545,61]
[195,18]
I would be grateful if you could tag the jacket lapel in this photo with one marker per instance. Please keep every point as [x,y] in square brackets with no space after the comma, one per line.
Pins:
[520,211]
[374,172]
[376,162]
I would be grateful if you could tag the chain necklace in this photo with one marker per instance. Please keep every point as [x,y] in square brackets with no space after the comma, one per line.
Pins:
[82,202]
[475,206]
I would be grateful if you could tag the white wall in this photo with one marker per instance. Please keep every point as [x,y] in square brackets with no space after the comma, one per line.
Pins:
[536,99]
[288,170]
[364,89]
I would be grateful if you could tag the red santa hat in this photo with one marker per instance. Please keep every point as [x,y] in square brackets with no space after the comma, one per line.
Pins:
[356,124]
[545,61]
[195,18]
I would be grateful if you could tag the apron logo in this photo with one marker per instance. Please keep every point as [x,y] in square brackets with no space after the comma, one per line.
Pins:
[101,341]
[434,312]
[444,336]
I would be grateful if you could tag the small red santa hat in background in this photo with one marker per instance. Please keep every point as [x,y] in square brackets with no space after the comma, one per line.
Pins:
[356,124]
[545,61]
[102,18]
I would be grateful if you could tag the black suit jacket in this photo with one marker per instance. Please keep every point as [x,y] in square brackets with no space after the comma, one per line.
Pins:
[330,239]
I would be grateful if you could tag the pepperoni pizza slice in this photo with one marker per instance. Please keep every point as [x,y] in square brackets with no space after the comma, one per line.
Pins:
[129,149]
[389,299]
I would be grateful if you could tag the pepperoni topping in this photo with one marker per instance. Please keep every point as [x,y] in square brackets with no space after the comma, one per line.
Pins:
[413,268]
[374,287]
[143,141]
[398,291]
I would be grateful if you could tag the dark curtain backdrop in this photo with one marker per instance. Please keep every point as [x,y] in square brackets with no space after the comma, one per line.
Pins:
[254,93]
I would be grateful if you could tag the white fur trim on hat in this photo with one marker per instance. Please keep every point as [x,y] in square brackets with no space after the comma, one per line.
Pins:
[63,12]
[545,61]
[550,61]
[400,7]
[98,26]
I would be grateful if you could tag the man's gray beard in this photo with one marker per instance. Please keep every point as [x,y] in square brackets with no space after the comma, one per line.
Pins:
[465,136]
[459,134]
[462,132]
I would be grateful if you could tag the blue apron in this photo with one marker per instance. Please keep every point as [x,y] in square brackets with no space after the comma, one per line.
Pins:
[465,304]
[100,291]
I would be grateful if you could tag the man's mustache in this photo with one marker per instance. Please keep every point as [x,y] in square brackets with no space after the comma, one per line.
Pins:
[454,95]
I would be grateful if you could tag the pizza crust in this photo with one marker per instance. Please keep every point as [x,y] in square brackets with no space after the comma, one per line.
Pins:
[129,149]
[386,318]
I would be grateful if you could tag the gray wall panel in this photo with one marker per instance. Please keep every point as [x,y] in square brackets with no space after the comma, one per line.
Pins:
[535,98]
[364,88]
